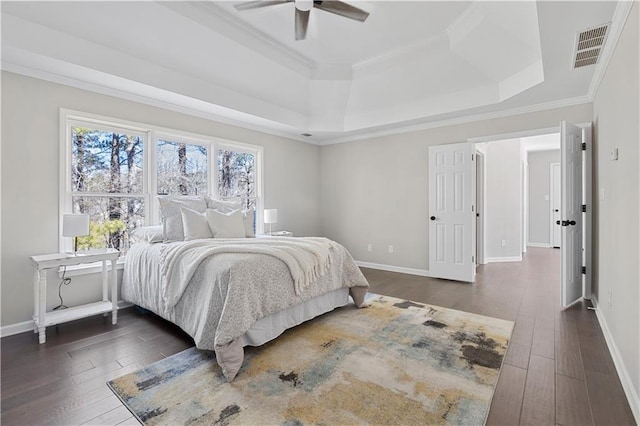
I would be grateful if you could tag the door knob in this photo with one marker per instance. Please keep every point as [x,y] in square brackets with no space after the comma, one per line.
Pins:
[556,210]
[557,222]
[432,218]
[572,222]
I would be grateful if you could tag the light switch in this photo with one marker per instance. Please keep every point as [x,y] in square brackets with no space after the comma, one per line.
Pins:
[546,197]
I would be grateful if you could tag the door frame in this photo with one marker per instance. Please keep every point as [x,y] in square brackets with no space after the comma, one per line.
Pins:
[480,201]
[552,188]
[587,187]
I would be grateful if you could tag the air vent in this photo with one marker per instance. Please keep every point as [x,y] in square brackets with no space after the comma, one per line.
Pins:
[589,45]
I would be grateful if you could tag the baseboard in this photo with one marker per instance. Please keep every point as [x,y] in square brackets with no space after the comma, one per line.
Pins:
[503,259]
[630,392]
[24,326]
[391,268]
[543,245]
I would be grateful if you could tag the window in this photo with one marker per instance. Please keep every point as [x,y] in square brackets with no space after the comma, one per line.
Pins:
[106,176]
[113,169]
[181,168]
[237,176]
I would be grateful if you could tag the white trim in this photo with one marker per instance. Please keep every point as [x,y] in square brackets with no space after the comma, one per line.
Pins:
[543,245]
[24,326]
[461,120]
[392,268]
[627,384]
[620,15]
[503,259]
[552,190]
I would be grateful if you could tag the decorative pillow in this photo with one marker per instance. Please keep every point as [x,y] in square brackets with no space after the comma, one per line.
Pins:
[249,219]
[172,217]
[223,225]
[195,225]
[149,234]
[224,206]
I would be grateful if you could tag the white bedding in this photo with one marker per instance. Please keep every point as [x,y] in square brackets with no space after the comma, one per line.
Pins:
[230,296]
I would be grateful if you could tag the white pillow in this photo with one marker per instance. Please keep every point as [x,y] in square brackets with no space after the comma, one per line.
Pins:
[149,234]
[249,220]
[195,225]
[224,206]
[223,225]
[172,217]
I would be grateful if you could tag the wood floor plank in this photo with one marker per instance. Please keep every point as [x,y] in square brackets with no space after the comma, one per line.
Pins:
[113,417]
[518,355]
[572,402]
[538,405]
[543,343]
[607,402]
[568,353]
[507,399]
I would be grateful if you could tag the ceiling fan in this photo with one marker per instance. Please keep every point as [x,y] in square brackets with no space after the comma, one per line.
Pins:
[303,8]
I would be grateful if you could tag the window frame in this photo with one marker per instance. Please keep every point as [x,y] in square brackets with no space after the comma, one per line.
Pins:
[151,135]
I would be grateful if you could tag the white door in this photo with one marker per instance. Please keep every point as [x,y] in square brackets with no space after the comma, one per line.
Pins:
[451,211]
[556,216]
[571,209]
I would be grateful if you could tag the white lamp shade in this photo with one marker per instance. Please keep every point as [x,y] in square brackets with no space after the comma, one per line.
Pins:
[271,216]
[303,5]
[75,225]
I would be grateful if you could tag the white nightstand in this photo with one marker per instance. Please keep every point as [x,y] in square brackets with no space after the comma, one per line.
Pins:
[42,318]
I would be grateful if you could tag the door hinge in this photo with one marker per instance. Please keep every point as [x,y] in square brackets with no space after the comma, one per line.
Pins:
[584,146]
[584,269]
[472,157]
[473,259]
[584,208]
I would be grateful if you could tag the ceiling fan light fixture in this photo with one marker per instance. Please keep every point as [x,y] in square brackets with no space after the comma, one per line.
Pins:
[304,5]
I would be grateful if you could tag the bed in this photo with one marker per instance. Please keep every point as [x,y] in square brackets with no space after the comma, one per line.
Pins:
[227,293]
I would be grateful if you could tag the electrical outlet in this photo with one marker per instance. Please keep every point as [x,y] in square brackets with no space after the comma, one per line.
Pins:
[369,247]
[504,243]
[390,249]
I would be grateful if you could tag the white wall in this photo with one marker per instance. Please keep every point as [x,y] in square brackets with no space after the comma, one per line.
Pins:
[616,199]
[540,196]
[30,174]
[375,190]
[503,208]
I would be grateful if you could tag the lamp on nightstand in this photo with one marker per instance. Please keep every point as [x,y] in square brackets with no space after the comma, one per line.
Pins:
[270,216]
[74,226]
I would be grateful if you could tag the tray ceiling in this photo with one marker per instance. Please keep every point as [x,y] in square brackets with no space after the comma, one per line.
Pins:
[410,63]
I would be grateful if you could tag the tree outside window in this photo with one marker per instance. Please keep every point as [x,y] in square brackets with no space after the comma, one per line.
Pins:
[236,176]
[107,183]
[181,168]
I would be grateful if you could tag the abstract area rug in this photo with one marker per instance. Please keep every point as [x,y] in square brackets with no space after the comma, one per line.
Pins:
[396,362]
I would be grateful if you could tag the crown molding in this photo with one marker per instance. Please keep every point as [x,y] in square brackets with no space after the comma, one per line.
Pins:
[118,87]
[461,120]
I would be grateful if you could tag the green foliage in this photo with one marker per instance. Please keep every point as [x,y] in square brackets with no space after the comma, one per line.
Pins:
[100,234]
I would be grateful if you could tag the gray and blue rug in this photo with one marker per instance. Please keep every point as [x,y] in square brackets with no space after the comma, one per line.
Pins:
[396,362]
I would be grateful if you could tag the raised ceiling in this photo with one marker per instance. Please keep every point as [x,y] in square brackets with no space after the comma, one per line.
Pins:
[410,64]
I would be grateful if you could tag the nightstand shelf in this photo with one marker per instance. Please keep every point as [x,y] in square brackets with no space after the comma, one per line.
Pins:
[42,319]
[77,312]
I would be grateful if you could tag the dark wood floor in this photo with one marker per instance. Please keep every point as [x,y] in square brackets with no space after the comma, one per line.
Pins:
[557,369]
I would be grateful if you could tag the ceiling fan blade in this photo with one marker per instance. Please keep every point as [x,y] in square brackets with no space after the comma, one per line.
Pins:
[302,22]
[258,4]
[342,9]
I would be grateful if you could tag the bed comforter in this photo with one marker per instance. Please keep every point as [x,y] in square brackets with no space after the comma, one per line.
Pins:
[219,293]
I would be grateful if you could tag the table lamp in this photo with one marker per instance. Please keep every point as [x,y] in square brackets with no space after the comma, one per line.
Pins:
[270,216]
[74,226]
